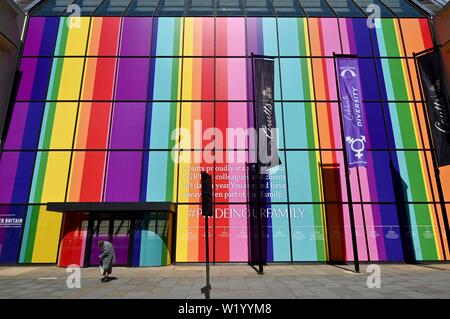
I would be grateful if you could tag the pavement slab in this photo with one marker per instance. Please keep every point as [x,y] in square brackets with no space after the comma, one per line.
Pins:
[237,281]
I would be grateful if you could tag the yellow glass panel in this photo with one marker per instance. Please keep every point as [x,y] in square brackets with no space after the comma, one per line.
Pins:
[63,125]
[55,180]
[182,233]
[189,34]
[46,241]
[188,67]
[186,127]
[78,28]
[189,168]
[70,81]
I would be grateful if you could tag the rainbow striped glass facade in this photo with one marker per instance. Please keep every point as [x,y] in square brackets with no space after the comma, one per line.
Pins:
[96,105]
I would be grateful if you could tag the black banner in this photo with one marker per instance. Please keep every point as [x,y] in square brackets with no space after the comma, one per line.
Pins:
[265,114]
[438,101]
[207,209]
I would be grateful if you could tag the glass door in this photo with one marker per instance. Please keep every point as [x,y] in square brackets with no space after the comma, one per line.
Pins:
[100,231]
[121,229]
[115,229]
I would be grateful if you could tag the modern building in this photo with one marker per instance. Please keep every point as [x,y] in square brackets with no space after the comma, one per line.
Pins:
[11,25]
[90,150]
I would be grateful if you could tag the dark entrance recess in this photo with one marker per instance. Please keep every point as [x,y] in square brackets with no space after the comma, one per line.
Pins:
[115,228]
[332,194]
[115,222]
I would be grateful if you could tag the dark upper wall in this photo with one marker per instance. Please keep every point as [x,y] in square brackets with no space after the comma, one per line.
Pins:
[11,23]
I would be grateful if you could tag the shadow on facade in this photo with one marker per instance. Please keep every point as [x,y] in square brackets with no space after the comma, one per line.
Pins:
[255,208]
[334,213]
[403,214]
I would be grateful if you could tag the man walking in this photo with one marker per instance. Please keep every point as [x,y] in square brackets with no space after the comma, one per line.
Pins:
[107,259]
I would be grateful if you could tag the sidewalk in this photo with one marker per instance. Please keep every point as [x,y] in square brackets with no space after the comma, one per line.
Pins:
[230,281]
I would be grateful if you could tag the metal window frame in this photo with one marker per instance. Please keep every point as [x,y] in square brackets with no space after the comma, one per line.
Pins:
[37,7]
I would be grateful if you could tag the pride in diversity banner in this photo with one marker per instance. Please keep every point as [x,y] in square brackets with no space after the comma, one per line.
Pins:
[352,111]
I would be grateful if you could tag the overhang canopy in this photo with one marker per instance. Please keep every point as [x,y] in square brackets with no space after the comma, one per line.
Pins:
[131,207]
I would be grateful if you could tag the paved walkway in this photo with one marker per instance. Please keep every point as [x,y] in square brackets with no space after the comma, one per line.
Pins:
[230,281]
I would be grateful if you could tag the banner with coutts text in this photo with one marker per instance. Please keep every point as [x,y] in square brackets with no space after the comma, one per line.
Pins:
[437,99]
[265,113]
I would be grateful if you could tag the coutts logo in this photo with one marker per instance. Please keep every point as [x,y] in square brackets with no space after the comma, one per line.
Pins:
[267,129]
[268,111]
[441,123]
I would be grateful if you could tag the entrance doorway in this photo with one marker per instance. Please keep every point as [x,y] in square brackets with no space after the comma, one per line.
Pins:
[115,229]
[142,233]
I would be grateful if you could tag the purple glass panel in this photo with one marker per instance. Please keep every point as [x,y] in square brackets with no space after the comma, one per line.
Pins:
[41,36]
[375,124]
[33,40]
[123,176]
[121,239]
[8,169]
[33,78]
[255,41]
[26,76]
[132,79]
[369,85]
[121,244]
[136,36]
[128,126]
[359,34]
[16,130]
[23,129]
[255,44]
[16,170]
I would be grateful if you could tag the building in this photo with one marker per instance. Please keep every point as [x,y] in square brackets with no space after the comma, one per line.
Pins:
[89,151]
[11,25]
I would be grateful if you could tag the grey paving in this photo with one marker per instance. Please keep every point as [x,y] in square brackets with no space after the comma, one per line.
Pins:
[230,281]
